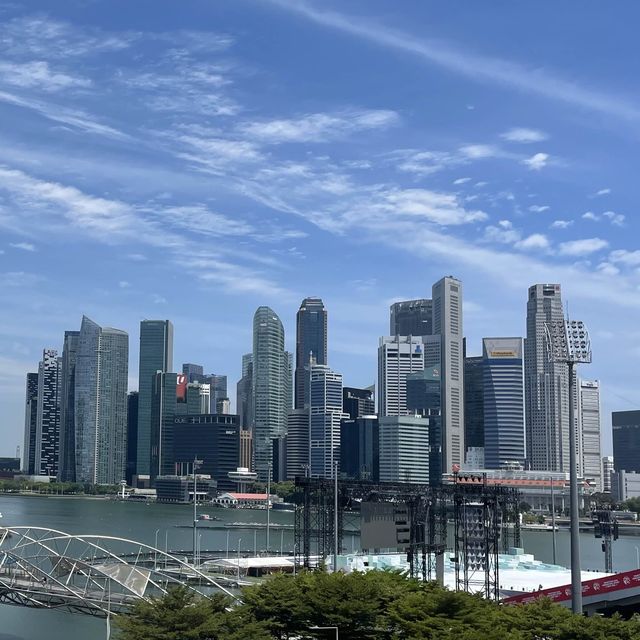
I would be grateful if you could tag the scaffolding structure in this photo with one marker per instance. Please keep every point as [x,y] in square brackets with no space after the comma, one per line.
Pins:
[481,516]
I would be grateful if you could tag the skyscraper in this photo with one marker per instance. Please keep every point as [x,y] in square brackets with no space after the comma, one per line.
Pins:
[132,436]
[589,416]
[360,448]
[473,402]
[311,341]
[102,367]
[30,424]
[67,466]
[607,470]
[626,440]
[411,318]
[156,354]
[398,356]
[546,385]
[503,390]
[244,402]
[358,402]
[193,371]
[325,414]
[404,449]
[271,387]
[47,447]
[424,398]
[447,323]
[297,442]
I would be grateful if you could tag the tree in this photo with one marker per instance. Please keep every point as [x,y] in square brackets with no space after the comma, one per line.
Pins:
[183,615]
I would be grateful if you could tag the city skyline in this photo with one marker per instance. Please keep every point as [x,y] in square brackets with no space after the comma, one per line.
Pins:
[235,179]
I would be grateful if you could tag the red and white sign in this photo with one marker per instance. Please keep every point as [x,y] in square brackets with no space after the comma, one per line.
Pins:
[626,580]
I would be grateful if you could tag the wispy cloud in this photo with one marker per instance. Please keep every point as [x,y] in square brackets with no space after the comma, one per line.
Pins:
[24,246]
[616,219]
[582,247]
[603,192]
[523,135]
[561,224]
[533,242]
[627,258]
[473,65]
[537,161]
[72,117]
[38,74]
[319,127]
[537,208]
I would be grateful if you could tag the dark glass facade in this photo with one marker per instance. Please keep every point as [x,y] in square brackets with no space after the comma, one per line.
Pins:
[411,318]
[132,436]
[473,402]
[424,398]
[359,448]
[156,354]
[358,402]
[67,407]
[311,341]
[30,424]
[626,440]
[214,439]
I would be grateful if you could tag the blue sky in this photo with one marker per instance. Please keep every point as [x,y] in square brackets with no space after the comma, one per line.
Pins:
[194,160]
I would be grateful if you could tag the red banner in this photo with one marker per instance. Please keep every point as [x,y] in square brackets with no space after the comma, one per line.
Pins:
[590,588]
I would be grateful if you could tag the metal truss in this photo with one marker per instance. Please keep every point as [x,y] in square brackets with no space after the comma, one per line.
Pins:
[481,515]
[96,575]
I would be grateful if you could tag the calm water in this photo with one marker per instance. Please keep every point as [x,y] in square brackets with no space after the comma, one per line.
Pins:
[141,521]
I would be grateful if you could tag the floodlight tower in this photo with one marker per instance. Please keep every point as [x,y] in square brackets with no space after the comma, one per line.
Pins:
[568,343]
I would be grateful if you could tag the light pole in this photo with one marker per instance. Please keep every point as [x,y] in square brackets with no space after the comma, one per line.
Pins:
[196,464]
[239,541]
[637,557]
[327,628]
[228,545]
[568,343]
[336,542]
[268,502]
[155,551]
[553,521]
[295,552]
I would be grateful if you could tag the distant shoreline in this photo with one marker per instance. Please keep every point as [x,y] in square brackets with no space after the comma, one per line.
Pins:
[29,494]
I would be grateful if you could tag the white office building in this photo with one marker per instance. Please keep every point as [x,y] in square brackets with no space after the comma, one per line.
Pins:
[404,449]
[589,420]
[398,356]
[447,323]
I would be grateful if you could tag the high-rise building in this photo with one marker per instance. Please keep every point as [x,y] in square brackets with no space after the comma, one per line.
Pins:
[447,323]
[590,456]
[325,414]
[271,387]
[360,448]
[504,418]
[212,438]
[223,406]
[473,403]
[244,402]
[30,425]
[297,442]
[102,367]
[172,396]
[398,356]
[358,402]
[311,342]
[404,449]
[607,470]
[47,447]
[67,466]
[626,440]
[424,398]
[246,449]
[156,354]
[194,372]
[132,436]
[411,318]
[546,385]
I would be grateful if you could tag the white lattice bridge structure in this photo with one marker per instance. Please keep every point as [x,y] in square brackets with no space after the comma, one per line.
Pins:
[89,574]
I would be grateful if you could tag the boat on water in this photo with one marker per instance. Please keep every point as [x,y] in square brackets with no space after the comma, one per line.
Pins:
[207,517]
